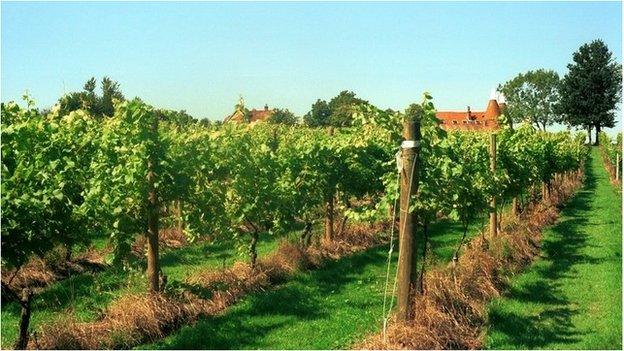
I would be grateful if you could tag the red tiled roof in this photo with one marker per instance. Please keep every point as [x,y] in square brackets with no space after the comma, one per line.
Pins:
[469,120]
[254,115]
[260,115]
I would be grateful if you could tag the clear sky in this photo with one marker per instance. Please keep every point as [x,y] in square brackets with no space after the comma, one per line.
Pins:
[201,56]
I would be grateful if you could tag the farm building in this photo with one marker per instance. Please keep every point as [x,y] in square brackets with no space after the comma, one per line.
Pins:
[470,120]
[253,115]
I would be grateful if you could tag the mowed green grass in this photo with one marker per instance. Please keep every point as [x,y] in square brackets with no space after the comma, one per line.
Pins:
[571,297]
[84,296]
[329,308]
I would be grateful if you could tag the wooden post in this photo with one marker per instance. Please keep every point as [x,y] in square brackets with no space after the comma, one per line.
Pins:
[391,212]
[253,253]
[493,219]
[329,218]
[153,265]
[617,166]
[180,221]
[329,207]
[407,275]
[22,340]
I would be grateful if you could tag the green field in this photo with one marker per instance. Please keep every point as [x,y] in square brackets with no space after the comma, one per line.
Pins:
[571,297]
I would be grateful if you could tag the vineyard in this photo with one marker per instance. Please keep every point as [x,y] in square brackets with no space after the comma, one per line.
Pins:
[147,211]
[611,153]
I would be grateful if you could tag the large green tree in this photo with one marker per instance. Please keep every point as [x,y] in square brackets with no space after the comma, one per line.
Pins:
[532,96]
[319,115]
[338,112]
[283,116]
[87,99]
[591,89]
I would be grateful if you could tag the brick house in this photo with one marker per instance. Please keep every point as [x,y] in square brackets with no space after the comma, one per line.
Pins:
[471,120]
[254,115]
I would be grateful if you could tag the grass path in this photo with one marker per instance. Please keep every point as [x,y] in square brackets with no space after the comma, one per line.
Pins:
[328,308]
[571,297]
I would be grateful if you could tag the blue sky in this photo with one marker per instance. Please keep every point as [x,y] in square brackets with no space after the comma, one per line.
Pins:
[201,56]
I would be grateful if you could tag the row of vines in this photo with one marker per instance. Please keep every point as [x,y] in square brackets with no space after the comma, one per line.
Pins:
[67,179]
[611,151]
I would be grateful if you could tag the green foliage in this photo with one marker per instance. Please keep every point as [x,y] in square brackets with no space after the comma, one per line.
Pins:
[339,112]
[178,118]
[454,174]
[592,88]
[283,116]
[532,96]
[319,115]
[89,101]
[235,179]
[44,172]
[118,191]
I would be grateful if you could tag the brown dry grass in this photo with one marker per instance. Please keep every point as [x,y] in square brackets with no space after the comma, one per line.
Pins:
[611,171]
[136,319]
[39,273]
[452,311]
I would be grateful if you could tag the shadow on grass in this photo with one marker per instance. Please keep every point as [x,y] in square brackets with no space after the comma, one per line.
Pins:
[445,235]
[560,250]
[193,253]
[246,324]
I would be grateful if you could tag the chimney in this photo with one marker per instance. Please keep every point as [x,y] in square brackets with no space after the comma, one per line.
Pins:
[468,115]
[493,110]
[502,102]
[266,107]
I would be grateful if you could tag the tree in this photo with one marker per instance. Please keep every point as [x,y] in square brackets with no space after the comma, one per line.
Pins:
[110,91]
[283,116]
[338,112]
[179,118]
[591,89]
[532,95]
[88,100]
[343,106]
[319,115]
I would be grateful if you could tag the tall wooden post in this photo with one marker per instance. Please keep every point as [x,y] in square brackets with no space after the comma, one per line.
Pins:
[391,211]
[153,265]
[617,166]
[328,235]
[407,276]
[493,214]
[329,218]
